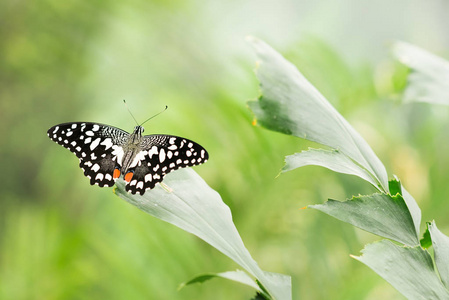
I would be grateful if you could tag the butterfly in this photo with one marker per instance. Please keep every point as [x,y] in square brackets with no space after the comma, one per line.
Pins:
[106,153]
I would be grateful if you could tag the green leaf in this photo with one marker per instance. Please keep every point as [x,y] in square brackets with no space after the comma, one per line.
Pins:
[237,276]
[380,214]
[426,241]
[409,270]
[193,206]
[428,81]
[331,159]
[396,187]
[291,105]
[440,244]
[413,208]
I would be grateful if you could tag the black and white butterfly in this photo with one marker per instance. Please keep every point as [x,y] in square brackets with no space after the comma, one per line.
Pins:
[106,153]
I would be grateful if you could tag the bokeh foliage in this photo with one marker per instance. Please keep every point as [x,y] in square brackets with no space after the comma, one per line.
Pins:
[64,61]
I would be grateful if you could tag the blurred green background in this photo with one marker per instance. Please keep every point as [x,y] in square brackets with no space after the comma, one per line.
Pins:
[62,61]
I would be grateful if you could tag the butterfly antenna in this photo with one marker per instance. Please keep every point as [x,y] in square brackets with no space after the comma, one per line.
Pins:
[166,106]
[124,101]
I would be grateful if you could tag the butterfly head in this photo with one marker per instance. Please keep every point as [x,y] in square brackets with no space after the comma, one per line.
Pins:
[138,130]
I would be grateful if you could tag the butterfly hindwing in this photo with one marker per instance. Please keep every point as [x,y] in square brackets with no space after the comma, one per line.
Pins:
[93,144]
[100,171]
[160,155]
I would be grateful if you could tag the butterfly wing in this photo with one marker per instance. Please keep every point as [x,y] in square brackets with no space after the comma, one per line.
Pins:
[160,155]
[94,145]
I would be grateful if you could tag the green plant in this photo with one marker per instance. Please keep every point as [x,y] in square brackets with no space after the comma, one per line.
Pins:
[193,206]
[291,105]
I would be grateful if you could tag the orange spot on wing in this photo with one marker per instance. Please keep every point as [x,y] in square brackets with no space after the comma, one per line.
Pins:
[116,174]
[128,176]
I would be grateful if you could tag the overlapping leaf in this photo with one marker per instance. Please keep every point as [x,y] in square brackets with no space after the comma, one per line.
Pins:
[194,207]
[380,214]
[237,276]
[331,159]
[440,243]
[409,270]
[291,105]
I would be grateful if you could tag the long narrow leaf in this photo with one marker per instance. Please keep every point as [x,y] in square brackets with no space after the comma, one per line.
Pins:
[409,270]
[332,159]
[291,105]
[237,276]
[428,81]
[381,214]
[196,208]
[440,243]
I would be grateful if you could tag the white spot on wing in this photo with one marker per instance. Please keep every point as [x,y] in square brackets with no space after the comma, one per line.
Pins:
[95,127]
[148,177]
[118,152]
[107,143]
[99,176]
[169,154]
[108,177]
[138,159]
[95,168]
[56,129]
[95,143]
[162,155]
[152,151]
[139,185]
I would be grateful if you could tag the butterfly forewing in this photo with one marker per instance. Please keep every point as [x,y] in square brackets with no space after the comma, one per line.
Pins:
[160,155]
[93,144]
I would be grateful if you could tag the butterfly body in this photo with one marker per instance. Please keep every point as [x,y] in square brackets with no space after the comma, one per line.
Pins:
[107,153]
